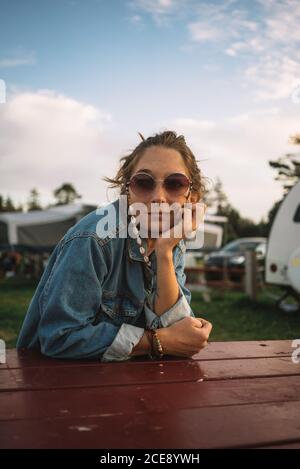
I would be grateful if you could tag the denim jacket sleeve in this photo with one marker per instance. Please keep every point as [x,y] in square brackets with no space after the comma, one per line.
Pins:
[70,300]
[179,310]
[126,339]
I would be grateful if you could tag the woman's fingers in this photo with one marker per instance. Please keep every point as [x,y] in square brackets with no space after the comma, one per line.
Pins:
[198,322]
[203,324]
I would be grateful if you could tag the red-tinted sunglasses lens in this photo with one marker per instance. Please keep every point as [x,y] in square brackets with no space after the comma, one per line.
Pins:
[142,184]
[177,183]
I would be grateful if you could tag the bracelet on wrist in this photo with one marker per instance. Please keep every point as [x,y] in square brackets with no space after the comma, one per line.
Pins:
[157,350]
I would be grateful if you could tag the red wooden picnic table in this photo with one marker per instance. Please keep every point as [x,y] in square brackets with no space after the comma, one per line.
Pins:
[242,394]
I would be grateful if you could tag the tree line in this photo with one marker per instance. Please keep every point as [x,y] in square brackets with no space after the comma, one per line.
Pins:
[64,194]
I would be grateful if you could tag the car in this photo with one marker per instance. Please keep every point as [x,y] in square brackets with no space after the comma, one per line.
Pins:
[233,256]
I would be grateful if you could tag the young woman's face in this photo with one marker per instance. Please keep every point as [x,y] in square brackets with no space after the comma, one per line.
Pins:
[160,162]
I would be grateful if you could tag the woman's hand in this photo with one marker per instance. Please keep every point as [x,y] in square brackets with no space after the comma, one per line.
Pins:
[185,337]
[188,224]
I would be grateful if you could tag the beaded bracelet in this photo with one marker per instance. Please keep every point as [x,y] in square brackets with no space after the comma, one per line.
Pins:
[156,349]
[159,349]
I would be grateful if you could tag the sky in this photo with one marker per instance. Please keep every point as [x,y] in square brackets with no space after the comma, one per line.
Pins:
[83,77]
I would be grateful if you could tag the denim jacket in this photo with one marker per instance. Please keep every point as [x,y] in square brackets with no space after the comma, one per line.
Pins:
[96,294]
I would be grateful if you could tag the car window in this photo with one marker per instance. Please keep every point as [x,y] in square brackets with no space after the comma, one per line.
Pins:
[232,247]
[240,246]
[248,245]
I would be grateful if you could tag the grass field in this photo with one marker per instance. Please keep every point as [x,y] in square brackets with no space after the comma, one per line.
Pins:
[233,315]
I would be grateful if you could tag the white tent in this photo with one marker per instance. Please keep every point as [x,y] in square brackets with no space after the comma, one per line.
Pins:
[40,228]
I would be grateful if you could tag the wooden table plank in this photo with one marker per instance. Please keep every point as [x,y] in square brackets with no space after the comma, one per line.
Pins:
[245,349]
[213,427]
[291,445]
[231,394]
[145,398]
[116,374]
[214,351]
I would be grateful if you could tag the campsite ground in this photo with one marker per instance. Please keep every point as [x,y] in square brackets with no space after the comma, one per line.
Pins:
[233,315]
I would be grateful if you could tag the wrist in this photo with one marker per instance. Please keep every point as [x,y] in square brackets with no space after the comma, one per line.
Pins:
[149,350]
[143,347]
[164,253]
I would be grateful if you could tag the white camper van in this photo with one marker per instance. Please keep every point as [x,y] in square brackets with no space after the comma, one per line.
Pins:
[283,253]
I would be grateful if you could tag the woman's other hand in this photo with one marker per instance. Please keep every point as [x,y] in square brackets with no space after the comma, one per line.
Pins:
[186,337]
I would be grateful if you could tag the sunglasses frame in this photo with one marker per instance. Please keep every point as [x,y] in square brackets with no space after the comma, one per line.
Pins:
[160,180]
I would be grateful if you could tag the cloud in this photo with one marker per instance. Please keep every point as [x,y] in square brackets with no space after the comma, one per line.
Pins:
[155,7]
[10,62]
[220,22]
[237,150]
[136,19]
[201,32]
[269,45]
[263,73]
[261,38]
[275,24]
[161,11]
[282,21]
[48,138]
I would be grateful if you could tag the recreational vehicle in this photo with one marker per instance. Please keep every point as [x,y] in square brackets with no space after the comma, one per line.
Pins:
[283,253]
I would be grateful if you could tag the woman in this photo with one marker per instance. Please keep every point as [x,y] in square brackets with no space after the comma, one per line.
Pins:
[111,296]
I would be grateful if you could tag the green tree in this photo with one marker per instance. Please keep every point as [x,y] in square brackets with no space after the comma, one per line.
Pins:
[216,198]
[7,205]
[288,167]
[288,173]
[33,200]
[237,226]
[66,194]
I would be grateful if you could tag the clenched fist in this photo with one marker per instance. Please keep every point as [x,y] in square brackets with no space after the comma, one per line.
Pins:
[186,337]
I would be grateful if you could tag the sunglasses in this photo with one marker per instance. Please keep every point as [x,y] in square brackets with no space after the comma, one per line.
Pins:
[143,184]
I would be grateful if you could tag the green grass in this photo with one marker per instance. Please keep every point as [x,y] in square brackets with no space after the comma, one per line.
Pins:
[15,296]
[233,315]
